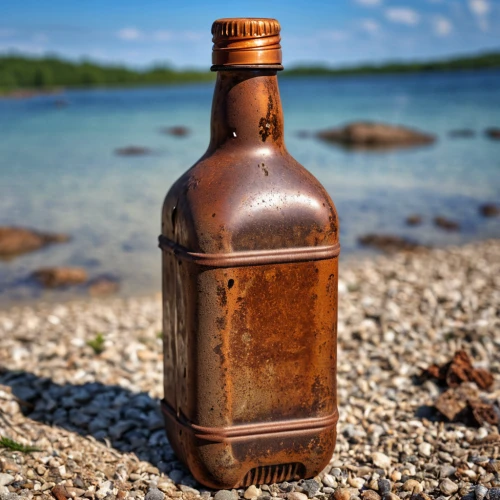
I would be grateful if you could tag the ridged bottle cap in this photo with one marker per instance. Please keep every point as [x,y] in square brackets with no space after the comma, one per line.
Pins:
[246,43]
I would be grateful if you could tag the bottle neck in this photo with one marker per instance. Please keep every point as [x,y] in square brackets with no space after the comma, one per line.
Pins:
[246,110]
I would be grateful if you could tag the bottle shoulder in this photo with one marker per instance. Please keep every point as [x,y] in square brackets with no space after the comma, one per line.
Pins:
[240,201]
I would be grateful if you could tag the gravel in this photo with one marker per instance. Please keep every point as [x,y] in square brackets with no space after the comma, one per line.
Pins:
[92,410]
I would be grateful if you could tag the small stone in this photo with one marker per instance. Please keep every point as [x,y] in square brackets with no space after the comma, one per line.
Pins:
[329,480]
[188,489]
[6,479]
[384,486]
[154,494]
[286,487]
[370,495]
[356,482]
[425,449]
[336,472]
[448,487]
[447,471]
[396,476]
[480,491]
[165,486]
[391,496]
[381,460]
[295,495]
[105,489]
[420,496]
[310,487]
[342,494]
[413,486]
[227,495]
[493,494]
[60,492]
[40,470]
[252,492]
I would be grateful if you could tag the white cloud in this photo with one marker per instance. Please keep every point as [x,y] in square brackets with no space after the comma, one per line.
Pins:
[442,26]
[370,26]
[162,36]
[369,3]
[480,8]
[403,15]
[129,34]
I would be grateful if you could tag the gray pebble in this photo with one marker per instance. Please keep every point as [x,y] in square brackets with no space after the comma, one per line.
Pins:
[154,494]
[384,486]
[493,494]
[310,487]
[480,491]
[446,471]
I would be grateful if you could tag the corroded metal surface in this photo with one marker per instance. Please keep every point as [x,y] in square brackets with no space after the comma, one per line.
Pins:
[250,243]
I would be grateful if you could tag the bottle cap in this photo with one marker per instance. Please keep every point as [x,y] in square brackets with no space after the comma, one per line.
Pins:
[251,43]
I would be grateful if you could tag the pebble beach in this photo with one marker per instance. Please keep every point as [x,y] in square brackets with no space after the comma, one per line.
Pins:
[81,381]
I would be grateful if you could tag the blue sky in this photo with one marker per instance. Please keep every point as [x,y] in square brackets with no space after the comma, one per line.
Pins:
[335,32]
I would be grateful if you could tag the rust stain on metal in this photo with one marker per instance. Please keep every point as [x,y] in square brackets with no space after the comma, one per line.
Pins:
[250,269]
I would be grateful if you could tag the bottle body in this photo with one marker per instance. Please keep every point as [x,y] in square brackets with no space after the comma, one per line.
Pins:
[250,246]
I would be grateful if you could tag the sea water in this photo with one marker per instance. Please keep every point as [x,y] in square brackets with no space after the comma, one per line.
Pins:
[59,171]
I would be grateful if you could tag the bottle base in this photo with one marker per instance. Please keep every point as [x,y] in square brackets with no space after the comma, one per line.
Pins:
[262,453]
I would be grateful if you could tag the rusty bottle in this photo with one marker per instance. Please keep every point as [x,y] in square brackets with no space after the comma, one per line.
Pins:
[250,248]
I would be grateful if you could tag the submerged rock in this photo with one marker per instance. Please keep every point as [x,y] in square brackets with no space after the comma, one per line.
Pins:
[16,241]
[414,220]
[176,131]
[489,210]
[133,151]
[55,277]
[388,243]
[447,224]
[493,133]
[103,286]
[367,135]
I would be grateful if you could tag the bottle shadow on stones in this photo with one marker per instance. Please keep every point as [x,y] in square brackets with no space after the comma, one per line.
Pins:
[130,422]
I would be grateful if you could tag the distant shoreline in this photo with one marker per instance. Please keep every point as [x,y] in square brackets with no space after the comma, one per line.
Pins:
[22,76]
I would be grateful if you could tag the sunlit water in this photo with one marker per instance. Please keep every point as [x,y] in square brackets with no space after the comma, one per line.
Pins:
[59,172]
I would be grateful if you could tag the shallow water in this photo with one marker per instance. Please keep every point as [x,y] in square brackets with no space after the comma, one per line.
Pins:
[58,170]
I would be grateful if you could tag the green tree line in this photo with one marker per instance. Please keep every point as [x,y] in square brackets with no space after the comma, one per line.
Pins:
[49,72]
[17,72]
[481,61]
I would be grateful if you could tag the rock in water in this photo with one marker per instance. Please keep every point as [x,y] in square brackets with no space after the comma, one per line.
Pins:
[16,241]
[133,151]
[493,133]
[388,243]
[448,224]
[176,131]
[489,210]
[367,135]
[55,277]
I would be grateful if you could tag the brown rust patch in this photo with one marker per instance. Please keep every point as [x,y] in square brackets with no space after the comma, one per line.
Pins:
[269,125]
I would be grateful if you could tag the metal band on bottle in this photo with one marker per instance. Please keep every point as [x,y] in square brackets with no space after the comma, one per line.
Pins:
[250,257]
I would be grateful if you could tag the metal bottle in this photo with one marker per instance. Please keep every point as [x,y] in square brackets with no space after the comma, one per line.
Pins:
[249,247]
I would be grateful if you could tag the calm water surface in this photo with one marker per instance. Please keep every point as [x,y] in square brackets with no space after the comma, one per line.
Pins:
[58,170]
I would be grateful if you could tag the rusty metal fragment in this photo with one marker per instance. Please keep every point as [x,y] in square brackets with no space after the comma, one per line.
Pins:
[460,370]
